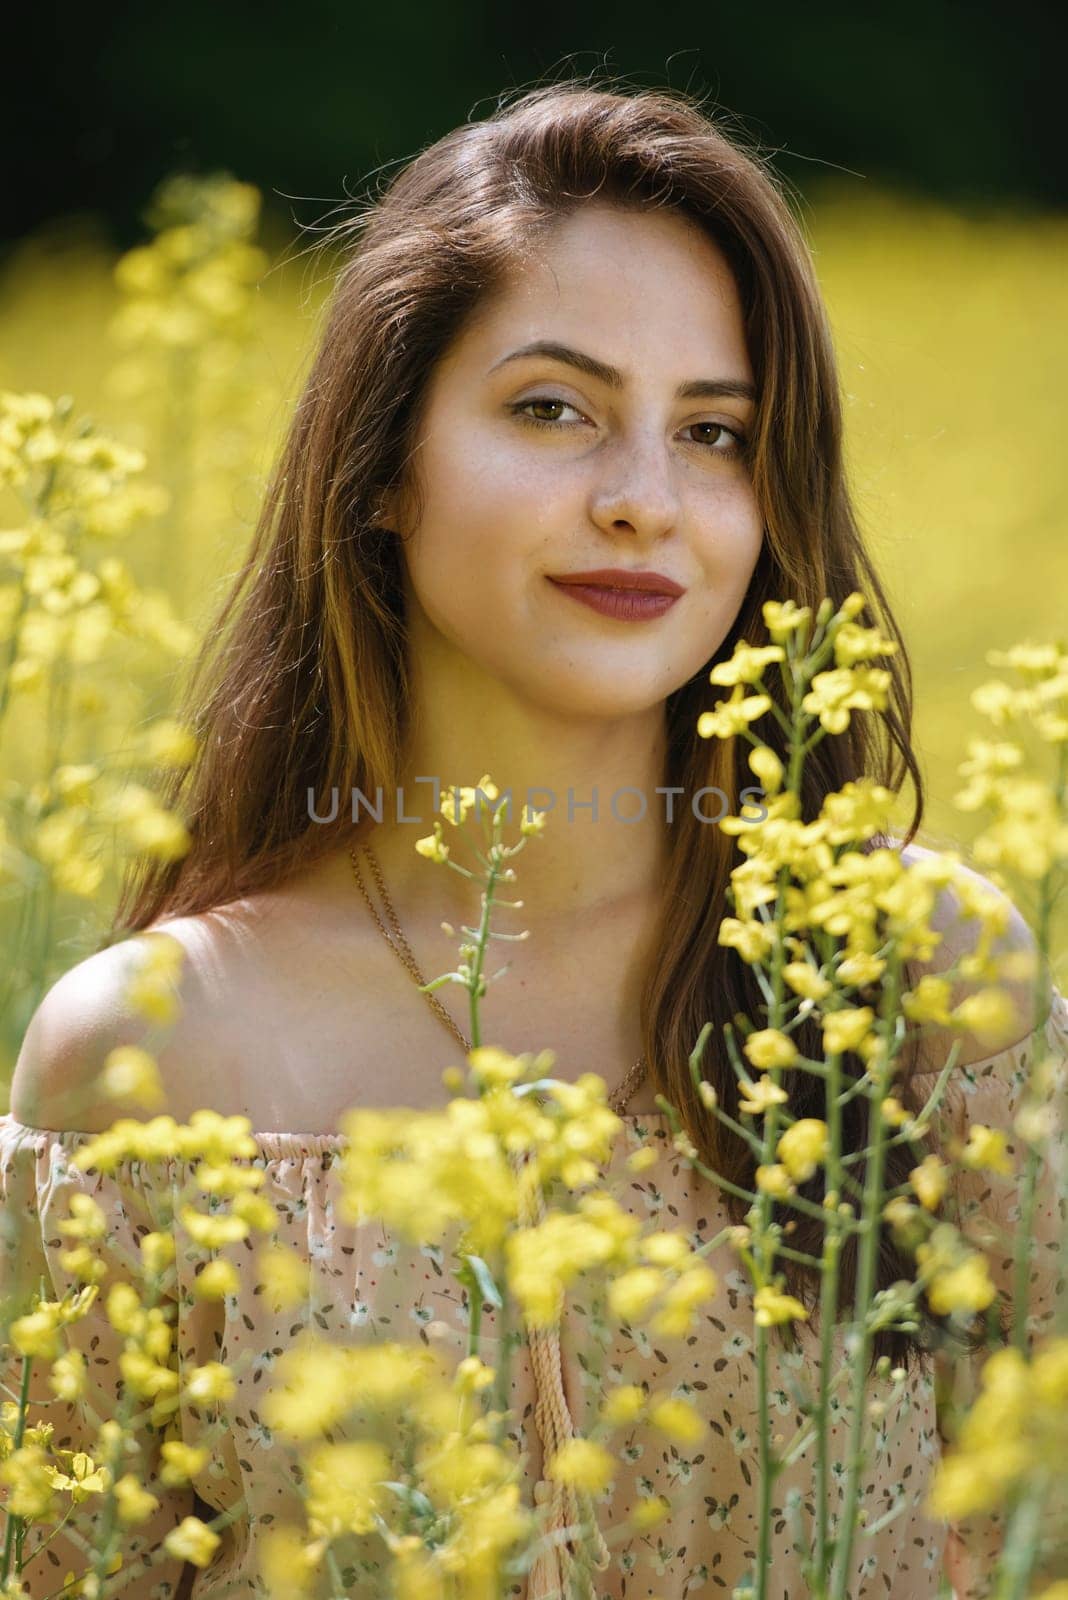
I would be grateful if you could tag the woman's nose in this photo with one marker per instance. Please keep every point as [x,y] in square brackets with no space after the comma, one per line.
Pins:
[637,491]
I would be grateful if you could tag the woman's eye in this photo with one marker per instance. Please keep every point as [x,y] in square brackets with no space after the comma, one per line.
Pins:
[541,400]
[733,448]
[522,409]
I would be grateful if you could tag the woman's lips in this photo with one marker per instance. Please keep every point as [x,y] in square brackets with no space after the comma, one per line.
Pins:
[625,605]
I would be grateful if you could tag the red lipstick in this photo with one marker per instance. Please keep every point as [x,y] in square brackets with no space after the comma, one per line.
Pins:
[626,594]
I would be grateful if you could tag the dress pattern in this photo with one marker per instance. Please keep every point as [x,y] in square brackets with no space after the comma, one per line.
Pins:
[366,1285]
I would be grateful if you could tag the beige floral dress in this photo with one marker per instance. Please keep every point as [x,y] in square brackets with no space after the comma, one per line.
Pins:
[366,1285]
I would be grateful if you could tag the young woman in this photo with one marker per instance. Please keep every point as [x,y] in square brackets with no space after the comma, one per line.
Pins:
[581,336]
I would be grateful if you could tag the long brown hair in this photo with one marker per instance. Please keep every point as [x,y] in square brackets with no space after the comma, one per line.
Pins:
[302,683]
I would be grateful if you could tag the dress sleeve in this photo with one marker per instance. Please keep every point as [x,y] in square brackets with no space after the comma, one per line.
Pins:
[985,1205]
[37,1184]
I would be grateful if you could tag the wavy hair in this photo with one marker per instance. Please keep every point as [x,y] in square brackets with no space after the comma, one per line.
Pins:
[302,683]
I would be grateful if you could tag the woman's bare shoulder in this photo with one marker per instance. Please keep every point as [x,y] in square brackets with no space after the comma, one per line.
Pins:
[219,974]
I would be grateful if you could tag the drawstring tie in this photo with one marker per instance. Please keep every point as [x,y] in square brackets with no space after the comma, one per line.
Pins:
[556,1573]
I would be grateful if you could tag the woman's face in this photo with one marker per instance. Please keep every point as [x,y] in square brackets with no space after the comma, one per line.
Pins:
[534,466]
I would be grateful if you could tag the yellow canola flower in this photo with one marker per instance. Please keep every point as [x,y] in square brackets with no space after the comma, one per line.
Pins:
[494,1068]
[225,1179]
[147,1378]
[316,1383]
[1011,1429]
[133,1501]
[986,1148]
[805,980]
[82,1264]
[929,1001]
[998,702]
[473,1375]
[765,764]
[283,1272]
[650,1511]
[677,1418]
[769,1047]
[153,991]
[207,1135]
[287,1564]
[86,1221]
[457,802]
[125,1311]
[218,1279]
[157,1252]
[543,1260]
[181,1462]
[169,743]
[433,847]
[532,822]
[846,1029]
[67,1375]
[85,1477]
[772,1307]
[623,1404]
[782,618]
[309,1392]
[990,1014]
[803,1147]
[131,1073]
[215,1231]
[754,941]
[733,716]
[192,1540]
[344,1493]
[1033,660]
[774,1180]
[759,1097]
[691,1288]
[853,643]
[1049,1373]
[212,1382]
[632,1293]
[929,1181]
[665,1249]
[27,1474]
[746,665]
[965,1287]
[37,1333]
[584,1465]
[835,694]
[861,968]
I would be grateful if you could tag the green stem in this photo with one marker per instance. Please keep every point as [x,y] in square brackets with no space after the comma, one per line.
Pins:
[1021,1541]
[873,1183]
[13,1522]
[1014,1567]
[828,1309]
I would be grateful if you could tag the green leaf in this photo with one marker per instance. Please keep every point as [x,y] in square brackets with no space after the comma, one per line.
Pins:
[476,1275]
[415,1498]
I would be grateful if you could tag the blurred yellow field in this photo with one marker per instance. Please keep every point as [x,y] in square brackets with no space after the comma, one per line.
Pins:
[951,334]
[951,338]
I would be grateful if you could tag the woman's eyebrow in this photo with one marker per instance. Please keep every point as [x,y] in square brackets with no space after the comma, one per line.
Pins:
[612,378]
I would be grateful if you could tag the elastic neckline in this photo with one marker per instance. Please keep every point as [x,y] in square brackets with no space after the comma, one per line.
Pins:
[272,1144]
[275,1145]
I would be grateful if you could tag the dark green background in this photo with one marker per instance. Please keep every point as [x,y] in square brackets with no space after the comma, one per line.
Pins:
[308,98]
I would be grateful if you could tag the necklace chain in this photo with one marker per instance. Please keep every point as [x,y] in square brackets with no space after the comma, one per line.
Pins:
[399,944]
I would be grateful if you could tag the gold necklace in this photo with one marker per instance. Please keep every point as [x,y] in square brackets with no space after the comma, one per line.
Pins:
[399,944]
